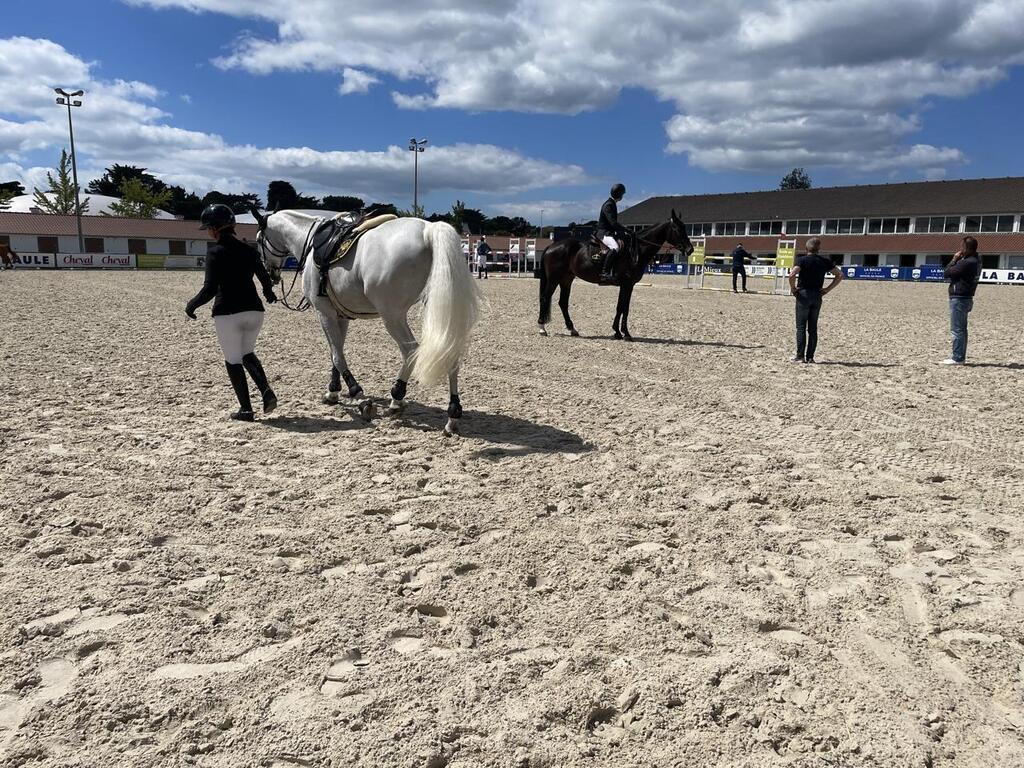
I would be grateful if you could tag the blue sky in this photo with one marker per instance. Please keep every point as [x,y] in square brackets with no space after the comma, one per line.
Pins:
[518,118]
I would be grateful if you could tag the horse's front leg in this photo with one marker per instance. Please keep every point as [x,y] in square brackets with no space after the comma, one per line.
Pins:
[336,329]
[398,327]
[619,304]
[626,297]
[563,304]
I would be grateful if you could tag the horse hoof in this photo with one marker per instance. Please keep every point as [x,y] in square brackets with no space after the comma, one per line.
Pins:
[543,331]
[331,398]
[617,336]
[573,332]
[627,337]
[451,429]
[366,410]
[396,408]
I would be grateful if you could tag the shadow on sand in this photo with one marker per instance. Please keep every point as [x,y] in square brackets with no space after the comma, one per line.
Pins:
[512,436]
[677,342]
[1008,366]
[846,364]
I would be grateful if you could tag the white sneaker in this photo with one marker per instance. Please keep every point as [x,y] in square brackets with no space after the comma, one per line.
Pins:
[951,361]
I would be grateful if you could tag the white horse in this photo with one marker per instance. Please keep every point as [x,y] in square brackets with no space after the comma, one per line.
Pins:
[394,266]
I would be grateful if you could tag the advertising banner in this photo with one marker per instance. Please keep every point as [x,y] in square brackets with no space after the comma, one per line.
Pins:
[184,262]
[150,260]
[1008,276]
[513,245]
[33,260]
[95,261]
[531,247]
[928,273]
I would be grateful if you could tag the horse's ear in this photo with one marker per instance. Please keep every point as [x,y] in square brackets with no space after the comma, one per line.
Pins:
[261,220]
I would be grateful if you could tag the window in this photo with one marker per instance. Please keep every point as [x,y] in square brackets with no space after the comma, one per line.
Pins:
[933,260]
[952,224]
[908,259]
[731,228]
[766,228]
[990,261]
[844,227]
[870,260]
[47,244]
[136,246]
[5,240]
[1016,262]
[973,224]
[177,247]
[922,225]
[991,223]
[936,224]
[94,245]
[902,225]
[874,226]
[804,227]
[837,259]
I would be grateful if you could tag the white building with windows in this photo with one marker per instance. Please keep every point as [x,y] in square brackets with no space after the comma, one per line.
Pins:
[898,225]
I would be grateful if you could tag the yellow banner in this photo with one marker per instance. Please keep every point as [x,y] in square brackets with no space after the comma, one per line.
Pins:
[697,257]
[150,261]
[785,254]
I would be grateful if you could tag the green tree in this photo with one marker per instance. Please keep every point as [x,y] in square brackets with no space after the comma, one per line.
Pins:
[114,177]
[342,203]
[281,196]
[237,203]
[5,199]
[796,179]
[13,188]
[59,198]
[187,205]
[138,201]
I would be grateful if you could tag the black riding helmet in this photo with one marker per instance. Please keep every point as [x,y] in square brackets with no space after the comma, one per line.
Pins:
[216,215]
[619,191]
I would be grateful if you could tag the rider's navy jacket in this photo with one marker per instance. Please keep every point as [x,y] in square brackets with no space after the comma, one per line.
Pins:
[230,266]
[739,256]
[608,223]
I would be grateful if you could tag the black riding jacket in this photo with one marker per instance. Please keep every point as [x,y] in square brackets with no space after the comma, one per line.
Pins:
[230,266]
[608,222]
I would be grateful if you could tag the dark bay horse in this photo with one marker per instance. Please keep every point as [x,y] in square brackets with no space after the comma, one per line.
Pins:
[564,261]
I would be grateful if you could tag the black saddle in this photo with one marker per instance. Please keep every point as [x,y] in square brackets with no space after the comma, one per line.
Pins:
[329,236]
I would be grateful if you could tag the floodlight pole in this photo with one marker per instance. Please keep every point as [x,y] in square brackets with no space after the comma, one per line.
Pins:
[71,100]
[416,146]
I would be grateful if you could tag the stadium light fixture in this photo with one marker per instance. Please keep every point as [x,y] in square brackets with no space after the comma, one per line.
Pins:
[71,100]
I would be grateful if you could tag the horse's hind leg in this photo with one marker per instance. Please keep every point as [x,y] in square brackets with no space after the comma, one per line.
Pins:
[335,329]
[398,327]
[563,304]
[454,404]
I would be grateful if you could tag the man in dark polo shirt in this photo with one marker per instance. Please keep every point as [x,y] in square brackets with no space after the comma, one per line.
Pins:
[806,282]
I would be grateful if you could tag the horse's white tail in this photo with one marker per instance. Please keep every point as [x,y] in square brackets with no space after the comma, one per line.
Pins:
[451,307]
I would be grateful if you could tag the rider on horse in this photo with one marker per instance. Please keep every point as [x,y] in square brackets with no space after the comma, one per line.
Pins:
[610,231]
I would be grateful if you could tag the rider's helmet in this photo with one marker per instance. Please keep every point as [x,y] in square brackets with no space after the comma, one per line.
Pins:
[619,191]
[216,215]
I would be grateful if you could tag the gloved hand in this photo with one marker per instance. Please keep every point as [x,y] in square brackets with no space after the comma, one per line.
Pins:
[268,294]
[190,312]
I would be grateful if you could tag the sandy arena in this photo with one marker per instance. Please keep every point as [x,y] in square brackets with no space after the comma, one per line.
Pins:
[681,552]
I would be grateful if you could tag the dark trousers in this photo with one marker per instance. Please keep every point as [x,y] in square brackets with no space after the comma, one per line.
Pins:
[808,307]
[740,270]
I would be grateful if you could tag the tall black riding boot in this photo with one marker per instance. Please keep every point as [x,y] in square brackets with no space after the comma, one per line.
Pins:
[606,270]
[236,372]
[259,378]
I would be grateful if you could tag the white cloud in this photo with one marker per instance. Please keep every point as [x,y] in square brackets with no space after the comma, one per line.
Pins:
[120,124]
[757,85]
[186,98]
[356,81]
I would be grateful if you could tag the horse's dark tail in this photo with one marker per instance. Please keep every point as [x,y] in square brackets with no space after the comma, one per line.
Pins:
[545,295]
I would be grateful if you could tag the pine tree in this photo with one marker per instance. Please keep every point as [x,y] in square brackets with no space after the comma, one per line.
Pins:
[138,201]
[796,179]
[60,197]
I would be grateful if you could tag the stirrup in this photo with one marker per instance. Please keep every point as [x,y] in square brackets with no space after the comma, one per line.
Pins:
[323,286]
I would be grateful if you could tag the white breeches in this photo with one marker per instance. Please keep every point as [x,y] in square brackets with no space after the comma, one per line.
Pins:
[237,334]
[611,242]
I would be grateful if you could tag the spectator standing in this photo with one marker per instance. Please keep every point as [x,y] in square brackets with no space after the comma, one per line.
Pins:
[806,283]
[739,266]
[483,250]
[963,273]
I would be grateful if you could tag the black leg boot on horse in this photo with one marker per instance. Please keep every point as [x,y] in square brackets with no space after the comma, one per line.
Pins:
[608,269]
[236,373]
[259,378]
